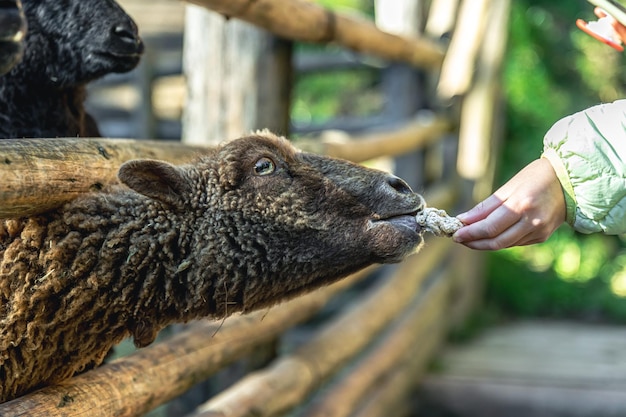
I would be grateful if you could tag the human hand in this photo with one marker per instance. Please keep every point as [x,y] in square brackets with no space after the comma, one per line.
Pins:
[525,210]
[620,30]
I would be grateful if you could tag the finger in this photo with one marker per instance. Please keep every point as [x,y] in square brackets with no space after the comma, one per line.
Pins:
[481,210]
[493,225]
[599,12]
[509,238]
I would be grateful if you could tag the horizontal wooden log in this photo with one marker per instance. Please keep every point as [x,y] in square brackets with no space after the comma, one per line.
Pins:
[133,385]
[291,378]
[410,338]
[40,174]
[414,135]
[37,175]
[303,20]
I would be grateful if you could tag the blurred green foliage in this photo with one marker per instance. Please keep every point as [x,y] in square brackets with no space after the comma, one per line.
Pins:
[319,97]
[552,69]
[315,97]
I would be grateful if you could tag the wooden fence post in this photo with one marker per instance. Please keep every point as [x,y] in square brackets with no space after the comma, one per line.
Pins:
[402,83]
[225,62]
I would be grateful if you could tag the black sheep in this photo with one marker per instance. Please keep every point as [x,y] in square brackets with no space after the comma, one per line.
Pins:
[68,44]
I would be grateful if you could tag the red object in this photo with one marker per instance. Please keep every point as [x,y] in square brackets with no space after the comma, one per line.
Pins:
[582,25]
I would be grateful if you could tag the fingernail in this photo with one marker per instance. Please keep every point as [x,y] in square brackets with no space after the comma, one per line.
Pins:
[462,217]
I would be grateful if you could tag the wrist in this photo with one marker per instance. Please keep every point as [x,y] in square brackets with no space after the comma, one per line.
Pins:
[566,186]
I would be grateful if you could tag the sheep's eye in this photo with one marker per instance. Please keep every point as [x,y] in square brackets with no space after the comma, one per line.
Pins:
[264,166]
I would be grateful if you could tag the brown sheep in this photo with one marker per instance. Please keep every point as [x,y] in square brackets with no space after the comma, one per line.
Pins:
[251,224]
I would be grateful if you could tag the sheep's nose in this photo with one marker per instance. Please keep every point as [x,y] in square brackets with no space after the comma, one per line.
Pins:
[125,39]
[125,32]
[399,185]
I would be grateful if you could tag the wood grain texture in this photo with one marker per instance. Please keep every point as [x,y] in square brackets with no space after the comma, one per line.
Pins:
[37,175]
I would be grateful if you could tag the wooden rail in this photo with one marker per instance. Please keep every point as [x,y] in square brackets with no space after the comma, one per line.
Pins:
[37,175]
[412,136]
[40,174]
[411,339]
[303,20]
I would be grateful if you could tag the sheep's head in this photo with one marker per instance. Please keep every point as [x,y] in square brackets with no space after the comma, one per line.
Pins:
[12,32]
[287,219]
[71,42]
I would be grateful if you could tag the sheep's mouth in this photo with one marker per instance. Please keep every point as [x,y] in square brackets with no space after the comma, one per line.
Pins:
[118,61]
[130,49]
[401,221]
[114,55]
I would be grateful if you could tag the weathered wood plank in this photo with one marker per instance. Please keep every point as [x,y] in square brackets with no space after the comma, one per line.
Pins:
[237,79]
[546,353]
[441,17]
[484,398]
[37,175]
[457,69]
[547,368]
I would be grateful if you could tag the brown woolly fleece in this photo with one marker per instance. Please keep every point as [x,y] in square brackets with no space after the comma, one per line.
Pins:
[254,223]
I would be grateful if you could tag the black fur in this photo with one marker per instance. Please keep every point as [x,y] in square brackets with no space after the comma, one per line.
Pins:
[69,43]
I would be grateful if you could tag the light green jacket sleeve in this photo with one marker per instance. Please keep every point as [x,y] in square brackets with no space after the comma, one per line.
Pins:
[588,152]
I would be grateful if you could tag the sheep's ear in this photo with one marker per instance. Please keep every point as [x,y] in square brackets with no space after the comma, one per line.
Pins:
[155,179]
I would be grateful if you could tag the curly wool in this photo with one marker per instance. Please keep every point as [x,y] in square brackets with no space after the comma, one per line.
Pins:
[250,225]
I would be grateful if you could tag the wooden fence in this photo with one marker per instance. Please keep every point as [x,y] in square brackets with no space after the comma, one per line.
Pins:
[376,331]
